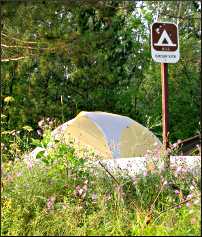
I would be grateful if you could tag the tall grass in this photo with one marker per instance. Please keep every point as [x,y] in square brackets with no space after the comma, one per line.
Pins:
[60,194]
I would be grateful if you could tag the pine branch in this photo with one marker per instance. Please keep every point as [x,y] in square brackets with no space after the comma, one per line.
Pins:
[13,59]
[25,47]
[17,46]
[22,41]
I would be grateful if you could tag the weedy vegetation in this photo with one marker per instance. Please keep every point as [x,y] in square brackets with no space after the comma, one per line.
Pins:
[61,193]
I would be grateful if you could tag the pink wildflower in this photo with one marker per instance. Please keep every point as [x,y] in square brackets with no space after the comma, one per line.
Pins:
[179,169]
[190,196]
[81,192]
[19,174]
[175,145]
[177,192]
[188,204]
[50,202]
[145,173]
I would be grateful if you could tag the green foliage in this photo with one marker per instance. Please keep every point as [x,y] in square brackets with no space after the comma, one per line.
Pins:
[62,194]
[14,142]
[96,56]
[68,57]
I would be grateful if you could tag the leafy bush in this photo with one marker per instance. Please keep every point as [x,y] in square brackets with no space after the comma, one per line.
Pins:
[63,194]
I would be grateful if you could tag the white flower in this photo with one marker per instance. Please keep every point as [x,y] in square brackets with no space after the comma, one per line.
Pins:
[190,196]
[94,197]
[192,187]
[80,191]
[179,169]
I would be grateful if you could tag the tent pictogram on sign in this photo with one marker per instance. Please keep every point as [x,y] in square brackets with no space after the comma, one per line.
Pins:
[165,40]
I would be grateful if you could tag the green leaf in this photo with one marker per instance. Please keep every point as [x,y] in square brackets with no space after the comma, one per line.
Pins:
[28,128]
[36,142]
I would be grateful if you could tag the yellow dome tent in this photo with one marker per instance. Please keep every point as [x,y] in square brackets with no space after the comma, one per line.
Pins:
[111,135]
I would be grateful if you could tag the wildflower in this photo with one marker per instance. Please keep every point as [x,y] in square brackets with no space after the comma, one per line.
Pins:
[19,174]
[184,170]
[192,188]
[78,190]
[145,173]
[190,196]
[177,192]
[50,202]
[188,204]
[174,145]
[39,132]
[30,164]
[179,169]
[28,161]
[41,123]
[94,198]
[198,146]
[81,192]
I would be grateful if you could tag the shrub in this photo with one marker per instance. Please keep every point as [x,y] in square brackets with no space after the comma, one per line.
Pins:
[61,193]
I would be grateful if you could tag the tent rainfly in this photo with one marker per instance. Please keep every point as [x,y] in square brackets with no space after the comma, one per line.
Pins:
[111,135]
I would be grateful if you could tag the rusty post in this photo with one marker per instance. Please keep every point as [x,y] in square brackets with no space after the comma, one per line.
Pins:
[164,78]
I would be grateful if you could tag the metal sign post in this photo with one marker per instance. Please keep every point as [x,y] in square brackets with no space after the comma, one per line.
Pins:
[165,49]
[165,118]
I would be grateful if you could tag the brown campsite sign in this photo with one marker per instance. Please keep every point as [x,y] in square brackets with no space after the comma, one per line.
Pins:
[164,42]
